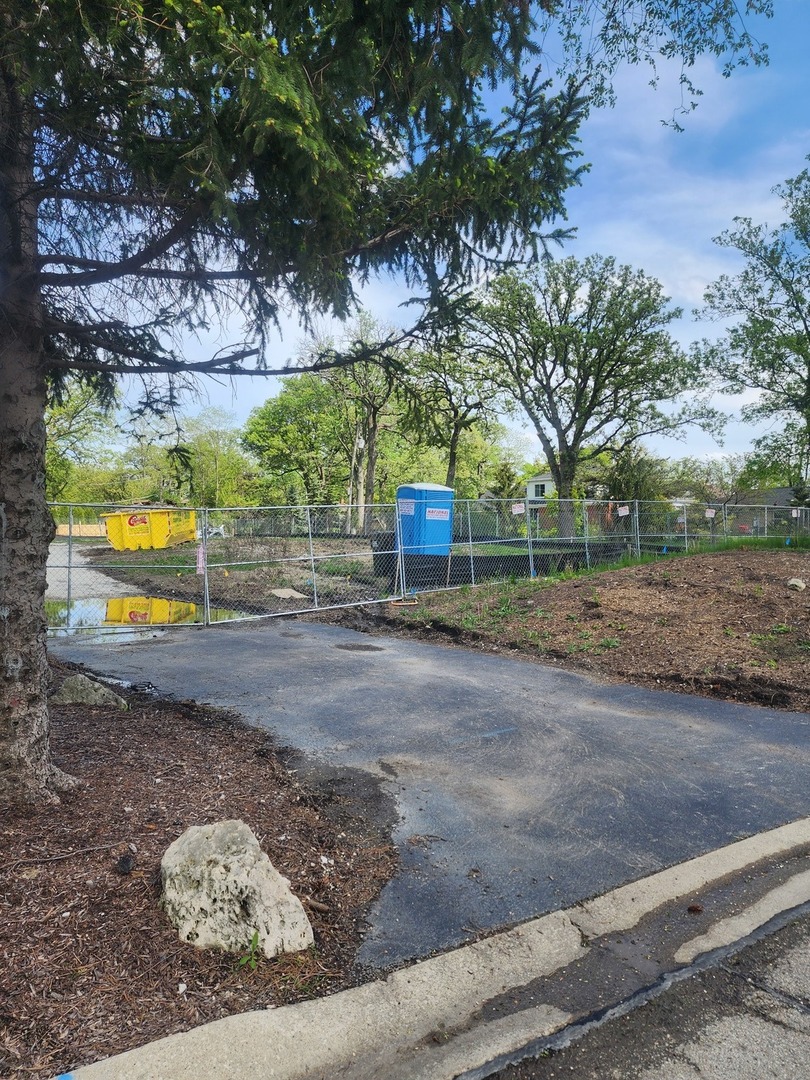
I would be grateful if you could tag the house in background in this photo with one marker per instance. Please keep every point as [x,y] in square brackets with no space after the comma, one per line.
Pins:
[776,496]
[540,487]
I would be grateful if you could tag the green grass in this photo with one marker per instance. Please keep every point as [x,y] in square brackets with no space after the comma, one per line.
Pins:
[517,547]
[342,567]
[163,561]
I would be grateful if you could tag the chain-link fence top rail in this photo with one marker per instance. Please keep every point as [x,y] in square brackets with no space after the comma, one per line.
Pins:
[113,566]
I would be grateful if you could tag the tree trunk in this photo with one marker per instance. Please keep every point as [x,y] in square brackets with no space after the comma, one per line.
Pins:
[351,494]
[452,456]
[564,480]
[26,526]
[371,474]
[360,492]
[26,529]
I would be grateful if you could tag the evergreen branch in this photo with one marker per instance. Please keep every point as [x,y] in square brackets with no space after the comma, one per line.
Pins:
[109,271]
[136,201]
[199,276]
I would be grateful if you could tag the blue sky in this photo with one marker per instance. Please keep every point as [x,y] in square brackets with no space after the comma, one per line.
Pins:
[655,197]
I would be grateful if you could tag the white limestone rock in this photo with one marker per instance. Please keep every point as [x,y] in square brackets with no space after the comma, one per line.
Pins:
[798,584]
[219,889]
[79,690]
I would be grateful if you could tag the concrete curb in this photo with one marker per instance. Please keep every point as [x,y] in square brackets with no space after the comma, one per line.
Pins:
[727,931]
[428,1019]
[622,908]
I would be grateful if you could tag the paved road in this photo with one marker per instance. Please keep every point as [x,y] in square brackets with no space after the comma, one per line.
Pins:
[744,1019]
[520,789]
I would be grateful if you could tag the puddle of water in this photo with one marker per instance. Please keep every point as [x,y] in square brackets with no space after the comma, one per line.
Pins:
[129,615]
[125,684]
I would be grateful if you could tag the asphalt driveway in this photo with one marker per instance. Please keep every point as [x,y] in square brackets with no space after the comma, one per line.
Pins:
[519,789]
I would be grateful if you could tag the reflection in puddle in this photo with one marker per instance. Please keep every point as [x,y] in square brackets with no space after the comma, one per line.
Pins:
[123,613]
[148,611]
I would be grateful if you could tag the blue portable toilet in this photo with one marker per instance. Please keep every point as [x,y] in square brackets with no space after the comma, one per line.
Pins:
[425,517]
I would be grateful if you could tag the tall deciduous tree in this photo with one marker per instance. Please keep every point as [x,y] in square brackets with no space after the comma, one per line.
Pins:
[220,470]
[780,459]
[299,435]
[584,348]
[78,425]
[445,395]
[768,349]
[712,480]
[166,163]
[363,393]
[634,473]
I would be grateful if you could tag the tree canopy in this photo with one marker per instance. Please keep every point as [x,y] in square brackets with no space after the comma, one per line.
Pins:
[187,161]
[78,428]
[298,435]
[767,348]
[445,395]
[584,349]
[174,160]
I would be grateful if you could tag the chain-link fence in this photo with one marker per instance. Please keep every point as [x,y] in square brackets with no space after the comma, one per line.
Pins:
[112,567]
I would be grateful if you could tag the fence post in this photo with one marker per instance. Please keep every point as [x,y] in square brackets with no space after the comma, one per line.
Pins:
[725,523]
[70,564]
[586,533]
[470,544]
[529,538]
[400,552]
[312,554]
[685,529]
[637,530]
[204,546]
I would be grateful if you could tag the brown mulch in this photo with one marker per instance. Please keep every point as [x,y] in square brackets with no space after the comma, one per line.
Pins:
[91,966]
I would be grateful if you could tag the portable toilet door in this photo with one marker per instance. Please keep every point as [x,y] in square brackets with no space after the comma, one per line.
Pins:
[425,519]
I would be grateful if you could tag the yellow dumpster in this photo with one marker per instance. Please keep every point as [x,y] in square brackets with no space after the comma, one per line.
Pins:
[130,530]
[147,611]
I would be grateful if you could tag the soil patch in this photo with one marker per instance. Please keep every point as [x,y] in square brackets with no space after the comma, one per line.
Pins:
[91,966]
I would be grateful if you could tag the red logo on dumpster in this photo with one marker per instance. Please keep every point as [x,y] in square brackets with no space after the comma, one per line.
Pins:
[139,616]
[138,519]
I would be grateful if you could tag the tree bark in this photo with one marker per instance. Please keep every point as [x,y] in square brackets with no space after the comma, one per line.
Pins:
[370,479]
[452,456]
[564,480]
[26,526]
[26,529]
